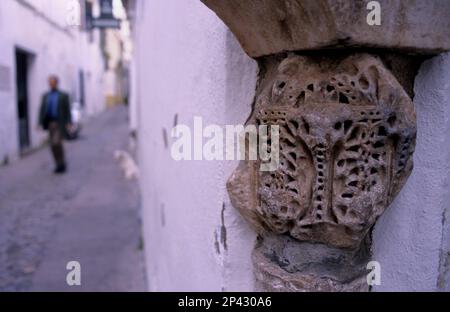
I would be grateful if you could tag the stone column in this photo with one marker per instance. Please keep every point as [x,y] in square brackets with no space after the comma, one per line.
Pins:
[347,130]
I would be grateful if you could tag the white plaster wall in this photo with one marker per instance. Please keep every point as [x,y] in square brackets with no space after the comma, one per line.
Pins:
[55,52]
[190,65]
[8,112]
[91,61]
[409,240]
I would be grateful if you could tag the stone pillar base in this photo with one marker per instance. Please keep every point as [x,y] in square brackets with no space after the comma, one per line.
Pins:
[282,264]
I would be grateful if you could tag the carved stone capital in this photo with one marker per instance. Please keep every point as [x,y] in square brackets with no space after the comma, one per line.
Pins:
[347,134]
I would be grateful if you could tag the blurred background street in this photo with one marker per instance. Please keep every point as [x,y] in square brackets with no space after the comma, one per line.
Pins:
[90,215]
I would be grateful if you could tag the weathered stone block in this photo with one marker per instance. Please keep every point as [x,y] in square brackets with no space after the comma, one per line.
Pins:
[284,264]
[265,27]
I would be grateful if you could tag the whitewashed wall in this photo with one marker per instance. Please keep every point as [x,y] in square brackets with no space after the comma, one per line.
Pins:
[190,65]
[55,52]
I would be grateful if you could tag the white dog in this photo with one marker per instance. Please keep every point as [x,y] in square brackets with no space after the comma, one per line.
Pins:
[127,164]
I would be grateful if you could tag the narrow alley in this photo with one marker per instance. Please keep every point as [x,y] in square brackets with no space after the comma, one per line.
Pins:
[90,215]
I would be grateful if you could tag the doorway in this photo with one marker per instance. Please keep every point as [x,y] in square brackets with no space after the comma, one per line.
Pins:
[22,73]
[81,82]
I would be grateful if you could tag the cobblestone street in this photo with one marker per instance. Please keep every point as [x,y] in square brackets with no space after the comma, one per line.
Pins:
[89,215]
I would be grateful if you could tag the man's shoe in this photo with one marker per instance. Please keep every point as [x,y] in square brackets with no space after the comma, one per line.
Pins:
[60,169]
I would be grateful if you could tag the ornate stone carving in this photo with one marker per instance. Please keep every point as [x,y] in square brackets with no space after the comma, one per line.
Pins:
[347,134]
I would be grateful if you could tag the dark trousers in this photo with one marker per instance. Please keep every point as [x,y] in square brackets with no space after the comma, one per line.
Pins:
[56,143]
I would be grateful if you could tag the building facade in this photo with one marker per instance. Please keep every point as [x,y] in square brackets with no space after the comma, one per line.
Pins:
[52,41]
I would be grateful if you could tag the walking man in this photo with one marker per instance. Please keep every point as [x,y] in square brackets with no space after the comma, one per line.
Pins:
[55,117]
